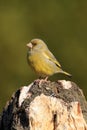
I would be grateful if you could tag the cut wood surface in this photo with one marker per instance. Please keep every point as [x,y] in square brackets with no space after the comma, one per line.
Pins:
[46,105]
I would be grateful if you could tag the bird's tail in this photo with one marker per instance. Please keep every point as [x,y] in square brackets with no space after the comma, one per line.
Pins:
[64,72]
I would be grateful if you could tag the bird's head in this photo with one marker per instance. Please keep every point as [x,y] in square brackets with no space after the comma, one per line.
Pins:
[36,44]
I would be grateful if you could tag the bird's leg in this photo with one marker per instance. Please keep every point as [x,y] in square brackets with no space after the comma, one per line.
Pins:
[41,80]
[46,78]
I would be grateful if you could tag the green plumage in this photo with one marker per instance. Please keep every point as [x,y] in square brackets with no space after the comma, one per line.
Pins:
[42,60]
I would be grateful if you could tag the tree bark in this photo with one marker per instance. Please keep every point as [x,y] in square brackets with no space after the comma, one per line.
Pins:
[46,105]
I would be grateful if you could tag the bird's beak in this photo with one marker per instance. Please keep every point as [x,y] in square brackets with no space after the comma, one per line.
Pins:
[29,45]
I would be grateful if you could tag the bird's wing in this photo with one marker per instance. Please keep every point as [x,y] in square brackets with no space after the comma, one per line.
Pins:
[51,57]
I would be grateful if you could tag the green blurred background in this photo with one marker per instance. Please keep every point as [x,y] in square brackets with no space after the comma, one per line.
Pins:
[61,24]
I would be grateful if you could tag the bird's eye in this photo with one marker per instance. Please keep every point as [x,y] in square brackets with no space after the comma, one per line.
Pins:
[34,43]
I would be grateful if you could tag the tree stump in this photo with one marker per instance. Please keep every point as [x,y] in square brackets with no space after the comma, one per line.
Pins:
[46,105]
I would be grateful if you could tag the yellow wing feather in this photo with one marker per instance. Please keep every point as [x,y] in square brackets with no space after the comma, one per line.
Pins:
[51,57]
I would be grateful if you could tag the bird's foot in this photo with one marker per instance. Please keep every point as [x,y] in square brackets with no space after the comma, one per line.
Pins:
[40,81]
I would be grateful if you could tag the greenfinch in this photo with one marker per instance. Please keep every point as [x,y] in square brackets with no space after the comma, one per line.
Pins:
[42,60]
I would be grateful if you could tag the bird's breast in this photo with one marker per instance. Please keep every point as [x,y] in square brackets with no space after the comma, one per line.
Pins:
[42,65]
